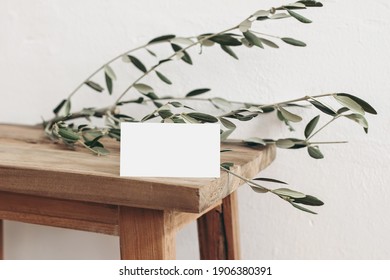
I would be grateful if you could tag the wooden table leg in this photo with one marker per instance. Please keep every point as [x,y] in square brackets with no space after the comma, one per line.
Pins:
[218,231]
[1,241]
[146,234]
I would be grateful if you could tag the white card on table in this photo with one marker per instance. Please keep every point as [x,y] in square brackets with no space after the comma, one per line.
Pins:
[170,150]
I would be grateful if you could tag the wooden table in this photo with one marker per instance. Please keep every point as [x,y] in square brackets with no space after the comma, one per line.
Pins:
[45,183]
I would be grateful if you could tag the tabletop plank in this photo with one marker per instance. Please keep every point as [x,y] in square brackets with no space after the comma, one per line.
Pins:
[30,163]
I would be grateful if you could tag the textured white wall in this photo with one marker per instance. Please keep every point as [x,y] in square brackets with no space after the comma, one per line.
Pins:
[47,47]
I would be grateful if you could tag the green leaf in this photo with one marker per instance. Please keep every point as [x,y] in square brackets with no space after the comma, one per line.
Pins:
[153,96]
[59,106]
[220,103]
[311,126]
[257,188]
[225,39]
[358,119]
[302,208]
[197,92]
[284,143]
[311,3]
[137,63]
[176,104]
[254,141]
[203,117]
[165,113]
[268,43]
[144,89]
[94,142]
[279,16]
[181,40]
[342,110]
[288,193]
[289,116]
[94,86]
[309,200]
[349,103]
[100,151]
[186,57]
[68,107]
[295,6]
[294,42]
[163,78]
[253,39]
[188,119]
[68,134]
[108,83]
[261,13]
[151,53]
[323,108]
[315,152]
[366,107]
[108,71]
[227,165]
[245,25]
[226,123]
[270,180]
[164,61]
[229,51]
[299,17]
[162,38]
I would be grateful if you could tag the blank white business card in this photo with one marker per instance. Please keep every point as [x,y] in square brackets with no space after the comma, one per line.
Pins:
[170,150]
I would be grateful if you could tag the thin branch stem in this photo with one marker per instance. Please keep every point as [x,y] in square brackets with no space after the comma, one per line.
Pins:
[325,125]
[331,142]
[168,58]
[264,34]
[108,62]
[245,179]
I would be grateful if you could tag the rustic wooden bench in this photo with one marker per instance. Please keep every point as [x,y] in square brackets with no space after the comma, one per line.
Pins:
[45,183]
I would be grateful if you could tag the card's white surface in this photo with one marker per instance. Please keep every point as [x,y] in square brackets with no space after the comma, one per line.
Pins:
[170,150]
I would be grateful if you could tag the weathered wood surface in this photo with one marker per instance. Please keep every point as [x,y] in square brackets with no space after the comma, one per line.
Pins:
[1,240]
[32,164]
[218,231]
[146,234]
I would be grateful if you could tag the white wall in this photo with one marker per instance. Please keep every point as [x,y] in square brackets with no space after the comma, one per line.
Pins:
[47,47]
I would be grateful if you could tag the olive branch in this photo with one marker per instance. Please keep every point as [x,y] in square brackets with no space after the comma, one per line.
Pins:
[169,109]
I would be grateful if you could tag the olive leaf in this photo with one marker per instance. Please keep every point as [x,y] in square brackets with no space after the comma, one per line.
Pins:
[288,193]
[161,38]
[366,107]
[311,126]
[185,56]
[349,103]
[299,17]
[229,51]
[315,152]
[94,86]
[289,116]
[196,92]
[323,108]
[294,42]
[225,39]
[253,39]
[137,63]
[163,78]
[203,117]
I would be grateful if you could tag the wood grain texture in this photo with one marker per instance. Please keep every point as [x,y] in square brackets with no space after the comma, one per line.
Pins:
[231,226]
[1,240]
[218,231]
[78,215]
[32,164]
[146,234]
